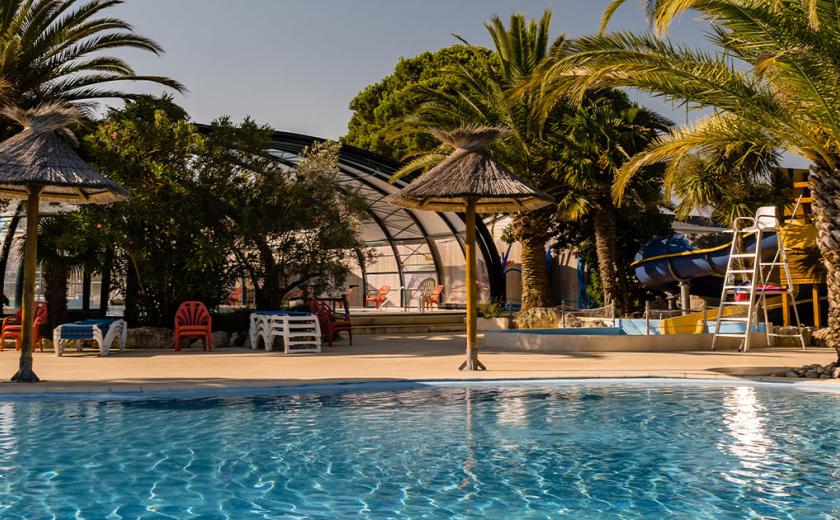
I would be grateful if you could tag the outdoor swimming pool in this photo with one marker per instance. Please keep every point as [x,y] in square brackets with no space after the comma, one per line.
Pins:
[582,449]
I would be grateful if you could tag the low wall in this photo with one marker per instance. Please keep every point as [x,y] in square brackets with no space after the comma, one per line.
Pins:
[605,340]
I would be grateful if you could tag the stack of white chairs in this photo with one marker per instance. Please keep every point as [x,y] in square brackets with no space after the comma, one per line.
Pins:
[300,332]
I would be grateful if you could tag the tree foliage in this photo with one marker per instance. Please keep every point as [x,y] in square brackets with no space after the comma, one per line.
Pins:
[636,226]
[162,236]
[206,209]
[590,146]
[284,227]
[572,152]
[60,51]
[485,96]
[773,85]
[732,183]
[399,95]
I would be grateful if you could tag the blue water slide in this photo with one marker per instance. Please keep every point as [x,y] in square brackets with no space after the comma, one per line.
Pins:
[662,264]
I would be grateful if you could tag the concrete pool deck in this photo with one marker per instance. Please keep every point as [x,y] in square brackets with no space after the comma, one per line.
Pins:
[378,358]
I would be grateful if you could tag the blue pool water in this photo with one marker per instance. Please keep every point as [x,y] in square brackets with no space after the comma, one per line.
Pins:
[578,450]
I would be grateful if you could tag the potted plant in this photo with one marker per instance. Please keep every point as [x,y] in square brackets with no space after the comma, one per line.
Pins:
[490,317]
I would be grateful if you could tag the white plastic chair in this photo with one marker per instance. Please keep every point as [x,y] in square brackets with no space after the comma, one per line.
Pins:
[765,220]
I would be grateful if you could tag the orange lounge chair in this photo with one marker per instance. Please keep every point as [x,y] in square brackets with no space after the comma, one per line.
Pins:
[378,297]
[12,327]
[193,321]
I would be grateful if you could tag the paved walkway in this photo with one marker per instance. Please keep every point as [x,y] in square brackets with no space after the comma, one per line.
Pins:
[376,358]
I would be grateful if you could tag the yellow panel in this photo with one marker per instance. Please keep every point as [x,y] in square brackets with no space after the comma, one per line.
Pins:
[693,323]
[800,244]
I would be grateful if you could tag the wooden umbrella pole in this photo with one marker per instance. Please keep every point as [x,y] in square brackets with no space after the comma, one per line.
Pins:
[30,259]
[472,362]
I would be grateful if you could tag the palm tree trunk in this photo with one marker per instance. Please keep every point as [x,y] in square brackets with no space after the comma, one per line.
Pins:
[55,294]
[25,373]
[604,221]
[86,282]
[105,287]
[825,189]
[268,294]
[131,297]
[531,230]
[7,248]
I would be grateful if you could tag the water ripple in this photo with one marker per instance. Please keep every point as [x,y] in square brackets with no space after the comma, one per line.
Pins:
[595,450]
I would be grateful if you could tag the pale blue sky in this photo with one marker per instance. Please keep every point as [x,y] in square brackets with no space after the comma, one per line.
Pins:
[295,64]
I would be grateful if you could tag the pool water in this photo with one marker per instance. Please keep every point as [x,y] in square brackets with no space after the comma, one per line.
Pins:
[579,450]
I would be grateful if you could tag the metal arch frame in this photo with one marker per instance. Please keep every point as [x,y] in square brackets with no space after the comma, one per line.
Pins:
[358,165]
[386,234]
[389,236]
[425,236]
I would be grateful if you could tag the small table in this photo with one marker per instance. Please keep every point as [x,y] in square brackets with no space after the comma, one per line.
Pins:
[300,331]
[335,301]
[102,331]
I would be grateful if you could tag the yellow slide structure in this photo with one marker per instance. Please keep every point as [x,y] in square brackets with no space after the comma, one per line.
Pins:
[693,323]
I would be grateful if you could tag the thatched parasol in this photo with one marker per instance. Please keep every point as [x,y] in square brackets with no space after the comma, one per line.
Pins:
[469,180]
[37,165]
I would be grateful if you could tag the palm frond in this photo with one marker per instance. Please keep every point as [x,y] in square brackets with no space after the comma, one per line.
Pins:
[422,162]
[46,117]
[47,45]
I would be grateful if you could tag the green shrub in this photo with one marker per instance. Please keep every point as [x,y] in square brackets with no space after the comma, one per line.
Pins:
[489,310]
[232,321]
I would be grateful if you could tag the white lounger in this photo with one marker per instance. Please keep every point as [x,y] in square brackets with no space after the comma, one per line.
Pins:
[102,331]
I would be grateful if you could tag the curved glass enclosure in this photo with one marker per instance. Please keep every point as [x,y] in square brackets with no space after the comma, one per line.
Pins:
[410,246]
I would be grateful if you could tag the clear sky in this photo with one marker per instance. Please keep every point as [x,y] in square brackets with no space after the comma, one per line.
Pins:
[296,64]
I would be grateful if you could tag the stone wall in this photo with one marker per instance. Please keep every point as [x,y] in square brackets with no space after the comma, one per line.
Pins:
[163,338]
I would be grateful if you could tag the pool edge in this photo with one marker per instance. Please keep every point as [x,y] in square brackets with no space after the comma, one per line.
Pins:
[407,384]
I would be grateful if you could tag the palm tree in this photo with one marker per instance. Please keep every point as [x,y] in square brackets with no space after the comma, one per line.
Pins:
[56,51]
[486,98]
[68,245]
[733,183]
[596,140]
[774,84]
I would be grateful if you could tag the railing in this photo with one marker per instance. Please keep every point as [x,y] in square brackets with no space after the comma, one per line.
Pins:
[651,313]
[573,317]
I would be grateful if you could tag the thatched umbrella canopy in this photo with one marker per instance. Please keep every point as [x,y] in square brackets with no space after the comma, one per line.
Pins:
[38,165]
[469,180]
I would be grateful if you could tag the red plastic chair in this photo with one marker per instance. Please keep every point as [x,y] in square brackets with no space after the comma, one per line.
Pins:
[434,298]
[329,322]
[379,297]
[193,321]
[235,296]
[12,327]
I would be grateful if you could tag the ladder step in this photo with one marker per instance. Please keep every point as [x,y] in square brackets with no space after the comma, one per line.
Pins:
[730,335]
[745,288]
[742,255]
[794,335]
[733,318]
[735,303]
[731,271]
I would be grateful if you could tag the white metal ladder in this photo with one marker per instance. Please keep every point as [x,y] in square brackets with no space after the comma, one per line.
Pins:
[748,272]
